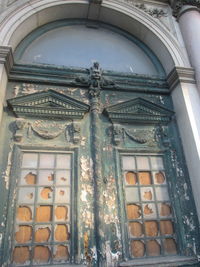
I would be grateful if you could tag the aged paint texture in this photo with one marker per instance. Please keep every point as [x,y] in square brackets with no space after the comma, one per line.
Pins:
[107,126]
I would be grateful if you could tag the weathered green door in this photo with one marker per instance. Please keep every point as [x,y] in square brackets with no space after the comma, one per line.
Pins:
[97,174]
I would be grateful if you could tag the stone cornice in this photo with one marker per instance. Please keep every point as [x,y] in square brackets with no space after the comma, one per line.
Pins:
[178,4]
[6,57]
[180,75]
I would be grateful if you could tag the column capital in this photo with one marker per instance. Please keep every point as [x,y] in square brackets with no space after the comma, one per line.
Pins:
[6,57]
[184,5]
[180,75]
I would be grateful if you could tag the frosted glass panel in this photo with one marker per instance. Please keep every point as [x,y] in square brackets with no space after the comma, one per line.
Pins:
[80,46]
[29,160]
[128,163]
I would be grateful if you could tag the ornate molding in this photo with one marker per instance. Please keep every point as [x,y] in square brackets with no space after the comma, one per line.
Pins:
[154,12]
[180,75]
[48,104]
[138,111]
[6,57]
[178,4]
[139,136]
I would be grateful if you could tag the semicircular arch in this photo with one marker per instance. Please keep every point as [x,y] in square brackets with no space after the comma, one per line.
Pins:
[18,23]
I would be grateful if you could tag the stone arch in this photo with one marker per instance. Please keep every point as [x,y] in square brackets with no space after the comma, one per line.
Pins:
[18,21]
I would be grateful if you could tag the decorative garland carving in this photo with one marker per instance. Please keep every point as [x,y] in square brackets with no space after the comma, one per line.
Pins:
[137,135]
[47,130]
[154,12]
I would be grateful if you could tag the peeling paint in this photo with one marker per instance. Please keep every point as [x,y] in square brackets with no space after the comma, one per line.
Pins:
[111,258]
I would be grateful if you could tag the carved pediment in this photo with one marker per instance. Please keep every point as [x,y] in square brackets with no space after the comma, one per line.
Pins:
[48,104]
[138,110]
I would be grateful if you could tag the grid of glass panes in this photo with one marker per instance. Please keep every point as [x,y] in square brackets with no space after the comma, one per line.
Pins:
[148,208]
[42,228]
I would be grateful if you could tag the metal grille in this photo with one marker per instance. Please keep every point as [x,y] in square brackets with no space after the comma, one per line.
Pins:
[148,208]
[43,210]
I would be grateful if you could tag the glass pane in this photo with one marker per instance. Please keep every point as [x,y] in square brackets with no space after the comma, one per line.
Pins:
[137,248]
[28,177]
[45,194]
[62,195]
[26,195]
[153,248]
[151,228]
[62,213]
[159,177]
[45,177]
[42,233]
[147,194]
[157,163]
[144,178]
[61,233]
[135,229]
[133,211]
[24,213]
[63,161]
[63,177]
[162,193]
[132,194]
[29,160]
[47,161]
[143,163]
[164,209]
[128,163]
[149,210]
[61,253]
[80,46]
[131,178]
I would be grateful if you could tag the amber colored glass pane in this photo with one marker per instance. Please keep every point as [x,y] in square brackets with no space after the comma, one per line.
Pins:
[159,178]
[41,254]
[131,178]
[61,233]
[21,255]
[169,246]
[42,234]
[23,234]
[137,248]
[43,213]
[61,213]
[151,228]
[147,194]
[28,177]
[164,209]
[24,214]
[144,178]
[61,253]
[133,211]
[153,248]
[166,228]
[135,229]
